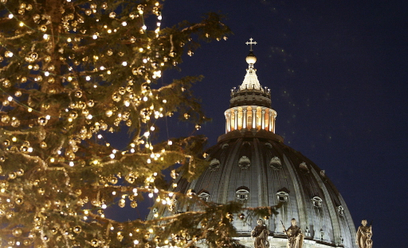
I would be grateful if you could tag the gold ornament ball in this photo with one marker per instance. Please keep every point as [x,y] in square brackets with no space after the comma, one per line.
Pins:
[17,232]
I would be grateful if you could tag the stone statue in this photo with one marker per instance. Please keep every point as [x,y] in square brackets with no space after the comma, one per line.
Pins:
[295,236]
[364,234]
[260,233]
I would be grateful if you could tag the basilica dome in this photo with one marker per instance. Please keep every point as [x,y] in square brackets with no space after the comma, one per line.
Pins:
[251,164]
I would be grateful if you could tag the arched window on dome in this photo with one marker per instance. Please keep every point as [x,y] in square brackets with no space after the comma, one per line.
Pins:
[214,164]
[317,202]
[242,194]
[244,162]
[275,163]
[204,195]
[282,196]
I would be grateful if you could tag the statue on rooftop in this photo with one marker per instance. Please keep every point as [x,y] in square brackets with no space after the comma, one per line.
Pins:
[260,233]
[364,234]
[295,236]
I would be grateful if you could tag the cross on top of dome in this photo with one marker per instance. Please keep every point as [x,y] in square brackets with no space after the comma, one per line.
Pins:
[251,79]
[250,43]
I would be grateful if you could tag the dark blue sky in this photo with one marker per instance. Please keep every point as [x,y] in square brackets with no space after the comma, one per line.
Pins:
[338,73]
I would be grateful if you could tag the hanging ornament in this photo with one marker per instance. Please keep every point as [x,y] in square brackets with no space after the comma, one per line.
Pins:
[54,230]
[12,175]
[31,57]
[122,90]
[116,97]
[78,94]
[112,15]
[18,93]
[17,232]
[242,216]
[90,103]
[5,118]
[77,229]
[18,200]
[42,120]
[20,172]
[94,243]
[6,83]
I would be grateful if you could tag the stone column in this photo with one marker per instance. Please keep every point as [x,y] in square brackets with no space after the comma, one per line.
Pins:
[263,118]
[244,118]
[253,118]
[227,120]
[236,119]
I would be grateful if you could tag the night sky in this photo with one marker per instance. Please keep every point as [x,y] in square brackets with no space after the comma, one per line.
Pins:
[338,73]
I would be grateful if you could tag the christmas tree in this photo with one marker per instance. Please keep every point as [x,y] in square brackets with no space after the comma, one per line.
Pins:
[73,71]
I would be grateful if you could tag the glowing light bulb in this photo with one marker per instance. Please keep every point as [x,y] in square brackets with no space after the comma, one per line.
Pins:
[8,54]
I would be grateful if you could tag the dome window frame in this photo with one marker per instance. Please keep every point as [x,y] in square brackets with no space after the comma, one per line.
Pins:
[204,195]
[244,163]
[275,163]
[317,202]
[214,164]
[282,196]
[242,194]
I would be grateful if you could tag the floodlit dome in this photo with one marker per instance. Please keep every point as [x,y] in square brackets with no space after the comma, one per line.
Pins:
[251,164]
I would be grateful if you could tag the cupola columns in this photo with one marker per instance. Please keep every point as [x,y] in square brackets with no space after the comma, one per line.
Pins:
[250,117]
[250,104]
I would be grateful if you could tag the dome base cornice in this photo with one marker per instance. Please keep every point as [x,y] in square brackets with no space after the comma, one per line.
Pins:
[262,134]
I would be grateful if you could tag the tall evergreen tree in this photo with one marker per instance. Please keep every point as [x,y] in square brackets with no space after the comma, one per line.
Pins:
[71,72]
